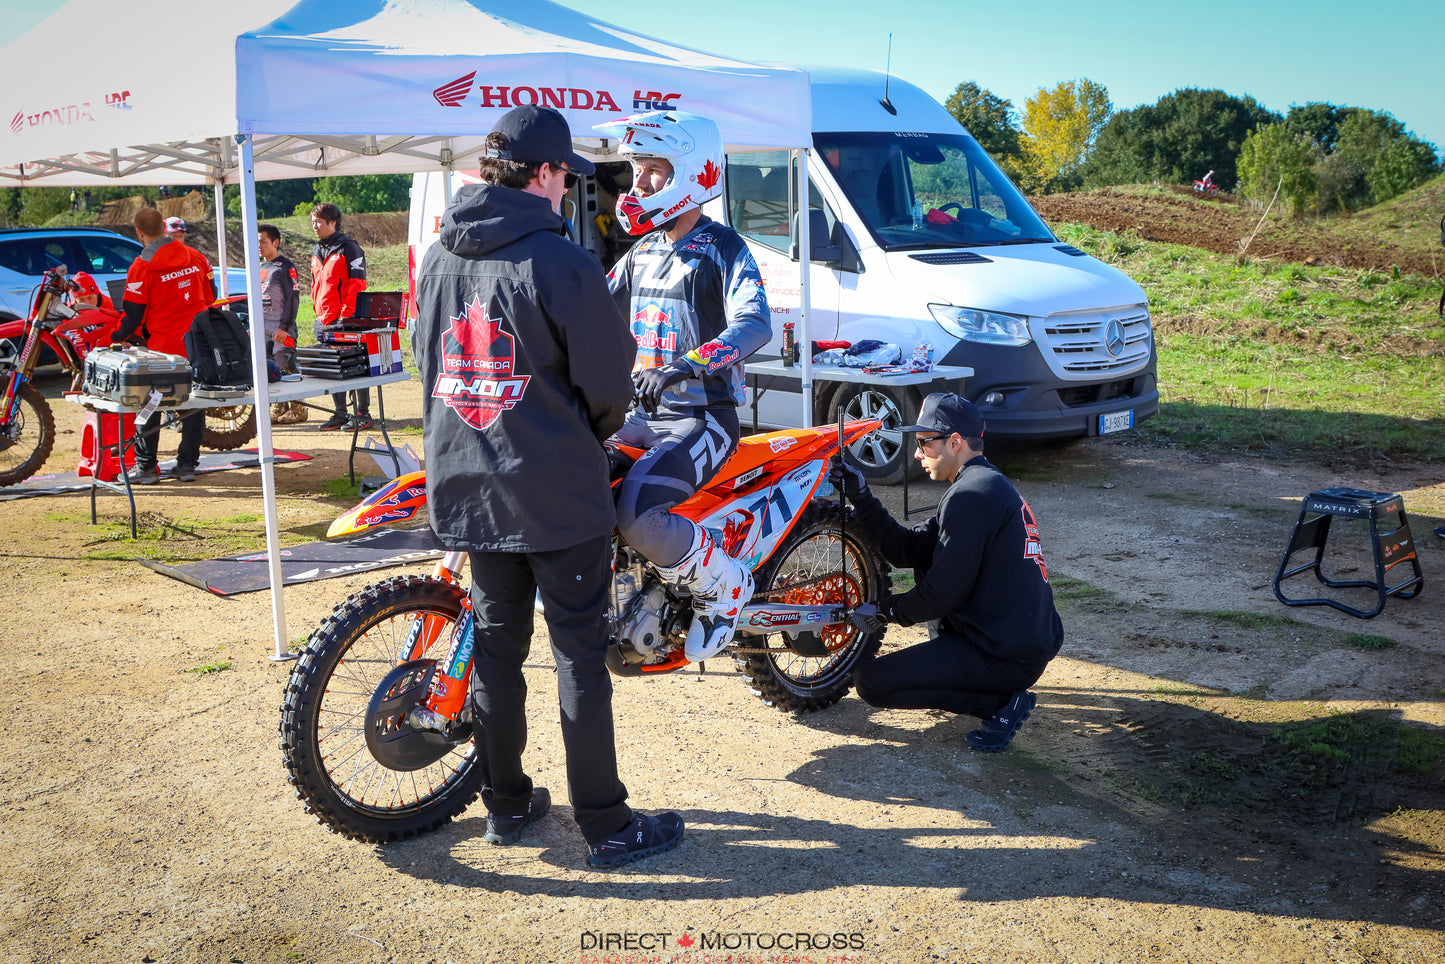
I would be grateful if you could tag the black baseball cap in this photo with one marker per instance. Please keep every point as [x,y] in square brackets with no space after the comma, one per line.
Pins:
[943,412]
[538,135]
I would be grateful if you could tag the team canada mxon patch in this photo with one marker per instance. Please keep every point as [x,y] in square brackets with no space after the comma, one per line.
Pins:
[478,360]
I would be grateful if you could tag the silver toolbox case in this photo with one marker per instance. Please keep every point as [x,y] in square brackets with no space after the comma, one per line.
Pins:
[127,375]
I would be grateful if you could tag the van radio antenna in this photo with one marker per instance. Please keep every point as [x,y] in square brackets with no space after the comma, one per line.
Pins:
[887,76]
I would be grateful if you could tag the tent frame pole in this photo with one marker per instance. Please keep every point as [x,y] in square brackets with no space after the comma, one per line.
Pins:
[260,352]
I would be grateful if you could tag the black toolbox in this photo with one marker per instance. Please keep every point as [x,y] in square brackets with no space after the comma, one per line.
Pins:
[128,375]
[333,361]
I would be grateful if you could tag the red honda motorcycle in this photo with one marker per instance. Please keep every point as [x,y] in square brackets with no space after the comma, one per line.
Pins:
[27,423]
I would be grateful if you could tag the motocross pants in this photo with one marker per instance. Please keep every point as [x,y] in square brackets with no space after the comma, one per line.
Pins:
[946,673]
[682,454]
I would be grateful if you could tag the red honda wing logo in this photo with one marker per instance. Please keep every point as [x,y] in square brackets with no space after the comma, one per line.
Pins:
[452,95]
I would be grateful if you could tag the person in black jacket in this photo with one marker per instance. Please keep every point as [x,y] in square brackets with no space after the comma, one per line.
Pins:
[524,361]
[981,585]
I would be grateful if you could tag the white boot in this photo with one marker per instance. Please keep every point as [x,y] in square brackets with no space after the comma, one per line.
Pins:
[721,586]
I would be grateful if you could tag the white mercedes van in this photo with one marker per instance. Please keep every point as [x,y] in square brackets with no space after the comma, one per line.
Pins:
[917,237]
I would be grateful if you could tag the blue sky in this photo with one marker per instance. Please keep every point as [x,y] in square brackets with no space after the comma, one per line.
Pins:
[1385,55]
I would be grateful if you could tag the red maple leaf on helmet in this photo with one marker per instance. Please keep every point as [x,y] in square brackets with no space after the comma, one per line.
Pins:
[709,175]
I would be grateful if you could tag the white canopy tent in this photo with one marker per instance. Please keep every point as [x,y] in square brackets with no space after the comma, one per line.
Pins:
[337,87]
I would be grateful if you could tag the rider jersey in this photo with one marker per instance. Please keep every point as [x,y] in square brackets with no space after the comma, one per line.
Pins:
[701,297]
[280,293]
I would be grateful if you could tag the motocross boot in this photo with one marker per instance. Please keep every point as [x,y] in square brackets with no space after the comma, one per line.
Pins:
[720,585]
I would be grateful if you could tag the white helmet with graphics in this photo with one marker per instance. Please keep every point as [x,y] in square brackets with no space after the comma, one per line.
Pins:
[691,144]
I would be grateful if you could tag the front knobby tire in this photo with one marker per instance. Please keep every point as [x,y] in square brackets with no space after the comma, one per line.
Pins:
[27,438]
[229,427]
[323,742]
[852,571]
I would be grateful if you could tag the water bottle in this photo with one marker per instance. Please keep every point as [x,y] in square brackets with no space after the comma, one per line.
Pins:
[917,214]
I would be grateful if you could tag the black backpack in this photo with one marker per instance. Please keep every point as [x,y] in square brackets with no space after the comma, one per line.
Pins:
[219,349]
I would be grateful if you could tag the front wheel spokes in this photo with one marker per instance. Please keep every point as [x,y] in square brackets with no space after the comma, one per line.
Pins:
[353,770]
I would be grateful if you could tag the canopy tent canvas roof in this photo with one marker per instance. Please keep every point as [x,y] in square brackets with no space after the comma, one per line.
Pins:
[334,87]
[340,87]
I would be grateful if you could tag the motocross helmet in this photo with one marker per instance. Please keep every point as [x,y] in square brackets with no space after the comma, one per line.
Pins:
[83,284]
[690,143]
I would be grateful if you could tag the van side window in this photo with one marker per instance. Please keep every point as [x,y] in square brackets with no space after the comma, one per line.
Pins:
[760,202]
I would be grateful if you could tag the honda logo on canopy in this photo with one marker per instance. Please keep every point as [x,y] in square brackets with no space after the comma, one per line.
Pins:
[452,94]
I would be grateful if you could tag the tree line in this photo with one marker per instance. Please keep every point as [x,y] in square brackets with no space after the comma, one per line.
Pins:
[1318,158]
[357,194]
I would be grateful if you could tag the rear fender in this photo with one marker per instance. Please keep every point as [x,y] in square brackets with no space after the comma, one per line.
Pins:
[396,501]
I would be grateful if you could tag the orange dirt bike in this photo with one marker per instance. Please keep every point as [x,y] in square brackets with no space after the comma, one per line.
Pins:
[27,424]
[376,726]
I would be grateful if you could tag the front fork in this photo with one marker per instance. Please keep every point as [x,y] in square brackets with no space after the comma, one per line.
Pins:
[447,694]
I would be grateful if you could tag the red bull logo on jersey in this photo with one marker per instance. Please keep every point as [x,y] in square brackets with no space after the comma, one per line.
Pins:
[477,380]
[717,354]
[655,332]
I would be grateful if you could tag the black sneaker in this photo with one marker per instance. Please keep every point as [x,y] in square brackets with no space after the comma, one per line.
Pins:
[359,422]
[334,423]
[183,472]
[1000,729]
[507,830]
[643,837]
[144,475]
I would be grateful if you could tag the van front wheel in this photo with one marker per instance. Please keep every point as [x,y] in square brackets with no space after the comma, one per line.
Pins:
[885,455]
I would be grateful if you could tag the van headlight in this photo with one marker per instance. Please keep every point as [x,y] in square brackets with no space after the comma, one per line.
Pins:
[988,327]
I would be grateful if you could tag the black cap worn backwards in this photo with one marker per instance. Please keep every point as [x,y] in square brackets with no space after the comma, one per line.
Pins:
[538,135]
[942,412]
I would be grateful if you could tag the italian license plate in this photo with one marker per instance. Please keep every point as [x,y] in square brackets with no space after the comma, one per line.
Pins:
[1116,421]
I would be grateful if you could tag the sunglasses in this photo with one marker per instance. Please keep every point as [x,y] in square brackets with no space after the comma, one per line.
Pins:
[932,438]
[572,176]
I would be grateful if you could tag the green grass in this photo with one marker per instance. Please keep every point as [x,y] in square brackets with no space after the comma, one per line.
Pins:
[1242,619]
[1069,589]
[1345,738]
[1286,359]
[1368,642]
[219,666]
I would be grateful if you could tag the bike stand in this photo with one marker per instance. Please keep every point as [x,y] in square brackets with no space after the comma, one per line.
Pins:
[1389,548]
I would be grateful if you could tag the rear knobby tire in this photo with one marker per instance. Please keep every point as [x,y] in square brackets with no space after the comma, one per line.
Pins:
[322,740]
[818,548]
[26,441]
[229,427]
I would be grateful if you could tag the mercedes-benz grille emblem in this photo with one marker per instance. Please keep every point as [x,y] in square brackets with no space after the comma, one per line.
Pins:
[1114,337]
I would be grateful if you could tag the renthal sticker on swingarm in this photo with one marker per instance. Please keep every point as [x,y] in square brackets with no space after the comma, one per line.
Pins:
[770,617]
[757,522]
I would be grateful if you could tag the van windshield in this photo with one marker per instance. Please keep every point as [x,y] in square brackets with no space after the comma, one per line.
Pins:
[917,190]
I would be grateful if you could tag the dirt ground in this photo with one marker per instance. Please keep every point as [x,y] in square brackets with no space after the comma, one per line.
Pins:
[1150,810]
[1223,225]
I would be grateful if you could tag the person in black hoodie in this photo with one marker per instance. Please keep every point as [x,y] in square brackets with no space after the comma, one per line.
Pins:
[525,361]
[981,585]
